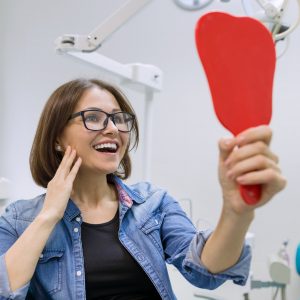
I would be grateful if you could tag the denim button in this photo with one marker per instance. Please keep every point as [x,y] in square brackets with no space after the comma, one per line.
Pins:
[78,219]
[76,229]
[140,257]
[42,255]
[78,273]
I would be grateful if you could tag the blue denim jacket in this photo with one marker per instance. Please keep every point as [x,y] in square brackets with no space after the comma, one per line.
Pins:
[153,228]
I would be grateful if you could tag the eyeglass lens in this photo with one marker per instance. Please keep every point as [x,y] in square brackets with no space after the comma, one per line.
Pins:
[97,120]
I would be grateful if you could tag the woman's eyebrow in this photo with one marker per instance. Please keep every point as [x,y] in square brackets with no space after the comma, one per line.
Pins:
[98,108]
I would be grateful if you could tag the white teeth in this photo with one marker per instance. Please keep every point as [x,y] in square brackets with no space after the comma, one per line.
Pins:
[106,145]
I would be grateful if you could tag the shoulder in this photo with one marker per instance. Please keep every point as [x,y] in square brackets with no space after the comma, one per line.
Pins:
[25,210]
[146,189]
[152,194]
[147,193]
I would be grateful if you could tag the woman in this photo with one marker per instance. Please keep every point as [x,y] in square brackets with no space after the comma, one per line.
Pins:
[91,236]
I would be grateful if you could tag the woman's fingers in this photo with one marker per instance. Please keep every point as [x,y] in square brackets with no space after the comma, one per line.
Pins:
[64,159]
[69,161]
[74,170]
[252,164]
[250,142]
[66,163]
[260,133]
[226,145]
[60,187]
[247,160]
[264,176]
[248,151]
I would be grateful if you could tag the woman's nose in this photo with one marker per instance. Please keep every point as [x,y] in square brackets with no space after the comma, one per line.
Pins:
[110,127]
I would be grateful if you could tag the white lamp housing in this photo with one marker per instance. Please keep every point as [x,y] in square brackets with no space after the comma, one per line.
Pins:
[4,188]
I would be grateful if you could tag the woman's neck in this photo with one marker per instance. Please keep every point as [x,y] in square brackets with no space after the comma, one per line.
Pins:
[92,191]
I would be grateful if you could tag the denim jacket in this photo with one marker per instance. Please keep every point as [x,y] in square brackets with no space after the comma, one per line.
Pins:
[153,228]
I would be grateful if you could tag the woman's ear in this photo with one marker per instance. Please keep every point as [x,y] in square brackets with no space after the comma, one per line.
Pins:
[58,147]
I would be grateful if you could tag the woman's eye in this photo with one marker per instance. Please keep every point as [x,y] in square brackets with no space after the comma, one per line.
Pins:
[92,118]
[119,119]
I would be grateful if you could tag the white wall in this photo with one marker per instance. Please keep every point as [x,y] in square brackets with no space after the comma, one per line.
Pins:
[184,154]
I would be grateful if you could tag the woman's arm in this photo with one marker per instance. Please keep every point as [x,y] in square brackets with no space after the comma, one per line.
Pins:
[21,259]
[247,160]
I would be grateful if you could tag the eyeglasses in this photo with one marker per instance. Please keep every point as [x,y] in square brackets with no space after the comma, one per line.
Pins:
[96,119]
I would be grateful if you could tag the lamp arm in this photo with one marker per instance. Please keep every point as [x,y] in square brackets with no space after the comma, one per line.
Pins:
[92,41]
[284,34]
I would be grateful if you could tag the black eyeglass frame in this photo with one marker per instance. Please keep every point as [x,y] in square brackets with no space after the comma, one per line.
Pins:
[108,116]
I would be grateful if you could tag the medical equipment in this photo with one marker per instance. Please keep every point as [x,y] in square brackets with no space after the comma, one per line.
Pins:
[4,192]
[4,188]
[280,273]
[192,4]
[297,258]
[271,13]
[142,77]
[146,78]
[92,41]
[279,265]
[81,46]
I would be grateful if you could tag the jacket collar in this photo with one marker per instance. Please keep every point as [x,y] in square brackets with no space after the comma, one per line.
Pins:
[136,197]
[72,211]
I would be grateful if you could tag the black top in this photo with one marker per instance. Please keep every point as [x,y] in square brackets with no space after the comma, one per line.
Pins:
[111,273]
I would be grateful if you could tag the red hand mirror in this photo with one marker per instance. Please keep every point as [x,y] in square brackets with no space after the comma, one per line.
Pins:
[238,57]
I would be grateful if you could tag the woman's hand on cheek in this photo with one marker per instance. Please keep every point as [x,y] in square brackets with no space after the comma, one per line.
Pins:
[60,187]
[247,160]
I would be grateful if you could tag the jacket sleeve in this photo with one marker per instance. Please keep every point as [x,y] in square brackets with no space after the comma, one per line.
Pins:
[183,247]
[8,236]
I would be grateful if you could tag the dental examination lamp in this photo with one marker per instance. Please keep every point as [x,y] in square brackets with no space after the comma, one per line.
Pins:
[142,77]
[148,78]
[271,13]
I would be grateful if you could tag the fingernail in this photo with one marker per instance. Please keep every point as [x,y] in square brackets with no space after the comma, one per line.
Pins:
[227,141]
[240,138]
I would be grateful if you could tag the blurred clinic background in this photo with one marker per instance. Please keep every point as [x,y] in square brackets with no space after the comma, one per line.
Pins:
[178,149]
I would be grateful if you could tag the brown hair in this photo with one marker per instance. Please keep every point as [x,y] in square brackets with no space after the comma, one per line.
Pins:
[44,159]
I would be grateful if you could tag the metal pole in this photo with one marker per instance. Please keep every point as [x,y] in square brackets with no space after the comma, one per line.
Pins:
[147,145]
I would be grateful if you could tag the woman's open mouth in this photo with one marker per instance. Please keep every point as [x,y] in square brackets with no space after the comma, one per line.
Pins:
[106,147]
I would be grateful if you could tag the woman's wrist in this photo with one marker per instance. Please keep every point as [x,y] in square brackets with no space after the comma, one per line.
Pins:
[48,217]
[237,217]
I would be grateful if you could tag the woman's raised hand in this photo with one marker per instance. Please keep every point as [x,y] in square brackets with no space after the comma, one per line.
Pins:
[60,187]
[247,160]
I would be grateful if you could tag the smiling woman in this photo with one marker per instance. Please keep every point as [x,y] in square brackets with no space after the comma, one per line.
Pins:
[58,117]
[91,236]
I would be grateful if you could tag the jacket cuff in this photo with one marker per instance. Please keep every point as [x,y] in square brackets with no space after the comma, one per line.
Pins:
[238,273]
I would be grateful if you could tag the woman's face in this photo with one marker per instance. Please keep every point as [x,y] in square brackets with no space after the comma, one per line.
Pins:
[104,161]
